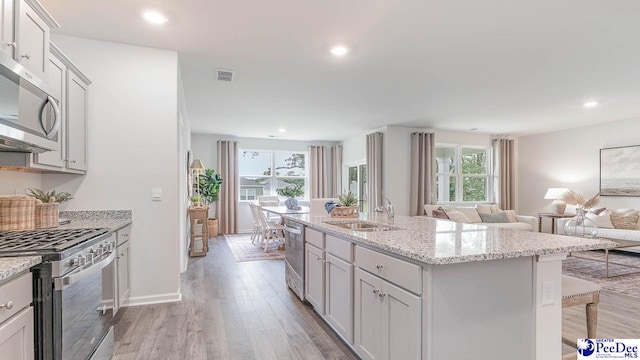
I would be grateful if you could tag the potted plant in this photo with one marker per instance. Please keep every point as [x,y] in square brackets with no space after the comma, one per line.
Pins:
[348,206]
[47,206]
[291,192]
[209,188]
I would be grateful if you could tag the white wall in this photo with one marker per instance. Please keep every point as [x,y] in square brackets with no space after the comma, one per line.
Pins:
[133,147]
[570,158]
[17,182]
[396,181]
[204,147]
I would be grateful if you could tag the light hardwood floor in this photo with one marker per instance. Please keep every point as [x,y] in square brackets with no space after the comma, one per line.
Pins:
[243,310]
[229,310]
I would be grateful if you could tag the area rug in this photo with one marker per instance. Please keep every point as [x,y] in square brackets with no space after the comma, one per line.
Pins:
[243,250]
[583,268]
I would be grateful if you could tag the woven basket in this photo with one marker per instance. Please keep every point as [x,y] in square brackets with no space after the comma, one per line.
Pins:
[345,212]
[46,215]
[17,213]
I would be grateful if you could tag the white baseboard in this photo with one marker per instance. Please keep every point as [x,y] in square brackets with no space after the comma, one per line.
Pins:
[153,299]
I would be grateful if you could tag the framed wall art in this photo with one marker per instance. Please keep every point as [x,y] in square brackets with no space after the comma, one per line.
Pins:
[620,171]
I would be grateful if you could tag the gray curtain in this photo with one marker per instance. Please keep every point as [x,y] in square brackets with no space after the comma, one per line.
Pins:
[505,173]
[227,205]
[336,171]
[317,172]
[423,172]
[374,170]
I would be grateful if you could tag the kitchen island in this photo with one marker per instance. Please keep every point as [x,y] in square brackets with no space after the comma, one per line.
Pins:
[435,289]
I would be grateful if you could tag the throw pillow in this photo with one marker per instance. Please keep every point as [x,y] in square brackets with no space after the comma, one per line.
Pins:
[470,212]
[455,215]
[500,217]
[511,215]
[603,220]
[598,211]
[627,222]
[439,214]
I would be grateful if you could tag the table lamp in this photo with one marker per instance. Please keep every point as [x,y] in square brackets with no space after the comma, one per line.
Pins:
[557,206]
[197,167]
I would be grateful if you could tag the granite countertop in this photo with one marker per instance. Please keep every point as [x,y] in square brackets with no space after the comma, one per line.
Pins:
[112,219]
[434,241]
[10,266]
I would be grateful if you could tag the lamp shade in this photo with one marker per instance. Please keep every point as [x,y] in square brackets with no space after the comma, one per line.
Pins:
[196,165]
[555,193]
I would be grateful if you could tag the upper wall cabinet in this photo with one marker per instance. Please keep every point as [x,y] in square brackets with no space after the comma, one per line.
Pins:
[7,28]
[24,32]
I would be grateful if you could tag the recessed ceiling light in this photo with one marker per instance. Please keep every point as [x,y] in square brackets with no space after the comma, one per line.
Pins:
[282,130]
[155,17]
[339,50]
[591,104]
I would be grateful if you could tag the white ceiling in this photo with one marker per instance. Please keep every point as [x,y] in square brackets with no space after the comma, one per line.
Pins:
[501,66]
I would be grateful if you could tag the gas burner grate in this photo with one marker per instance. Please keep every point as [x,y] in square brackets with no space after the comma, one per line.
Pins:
[45,239]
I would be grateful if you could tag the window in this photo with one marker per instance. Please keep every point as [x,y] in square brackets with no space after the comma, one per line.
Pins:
[463,173]
[263,171]
[357,183]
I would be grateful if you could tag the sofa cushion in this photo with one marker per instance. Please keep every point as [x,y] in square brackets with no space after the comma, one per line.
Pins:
[455,215]
[628,221]
[603,220]
[620,234]
[439,214]
[487,209]
[511,215]
[469,212]
[500,217]
[512,226]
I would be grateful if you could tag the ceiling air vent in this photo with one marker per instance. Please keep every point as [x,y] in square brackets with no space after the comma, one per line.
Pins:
[225,75]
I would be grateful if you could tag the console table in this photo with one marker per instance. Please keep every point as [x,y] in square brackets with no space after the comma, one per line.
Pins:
[199,231]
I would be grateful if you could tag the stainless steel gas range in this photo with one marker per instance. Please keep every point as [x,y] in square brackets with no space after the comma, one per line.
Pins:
[72,318]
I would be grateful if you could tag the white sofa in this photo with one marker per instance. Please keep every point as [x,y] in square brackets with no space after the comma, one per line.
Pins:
[605,225]
[522,222]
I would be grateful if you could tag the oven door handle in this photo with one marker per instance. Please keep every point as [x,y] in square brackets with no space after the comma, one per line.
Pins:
[62,283]
[293,230]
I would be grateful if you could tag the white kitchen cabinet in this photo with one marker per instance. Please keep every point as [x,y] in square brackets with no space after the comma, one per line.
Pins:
[16,319]
[387,319]
[338,295]
[314,277]
[7,27]
[123,266]
[32,38]
[77,114]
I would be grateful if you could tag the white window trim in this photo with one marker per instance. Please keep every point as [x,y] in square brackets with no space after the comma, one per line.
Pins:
[459,175]
[273,177]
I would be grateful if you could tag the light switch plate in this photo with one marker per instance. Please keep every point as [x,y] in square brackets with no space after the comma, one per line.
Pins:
[156,194]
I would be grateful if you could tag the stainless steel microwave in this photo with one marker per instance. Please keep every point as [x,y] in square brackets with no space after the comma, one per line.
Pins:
[29,115]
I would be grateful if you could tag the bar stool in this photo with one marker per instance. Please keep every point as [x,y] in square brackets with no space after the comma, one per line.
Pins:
[582,292]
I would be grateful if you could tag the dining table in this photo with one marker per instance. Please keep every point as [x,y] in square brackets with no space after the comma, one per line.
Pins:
[283,210]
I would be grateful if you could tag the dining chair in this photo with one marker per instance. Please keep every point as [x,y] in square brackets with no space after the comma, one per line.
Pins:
[257,226]
[270,230]
[270,200]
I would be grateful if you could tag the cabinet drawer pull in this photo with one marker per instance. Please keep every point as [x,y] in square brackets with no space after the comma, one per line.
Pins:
[382,294]
[7,306]
[12,44]
[26,56]
[379,267]
[375,291]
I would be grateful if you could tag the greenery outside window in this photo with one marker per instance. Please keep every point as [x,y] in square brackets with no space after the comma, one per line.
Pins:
[463,173]
[263,171]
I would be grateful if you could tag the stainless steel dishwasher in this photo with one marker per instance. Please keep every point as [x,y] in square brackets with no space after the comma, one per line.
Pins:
[294,256]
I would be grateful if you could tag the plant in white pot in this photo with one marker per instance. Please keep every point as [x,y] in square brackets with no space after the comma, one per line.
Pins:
[291,192]
[209,188]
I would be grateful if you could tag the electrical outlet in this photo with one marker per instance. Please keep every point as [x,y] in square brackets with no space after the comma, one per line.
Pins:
[548,292]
